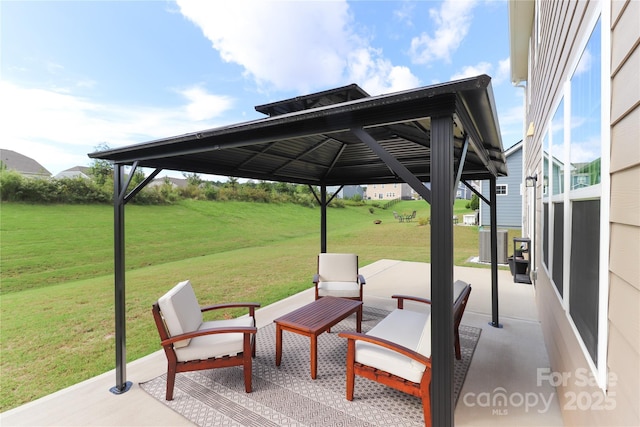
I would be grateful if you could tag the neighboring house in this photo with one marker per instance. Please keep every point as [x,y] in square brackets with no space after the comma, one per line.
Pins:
[389,191]
[75,172]
[22,164]
[465,192]
[173,182]
[349,191]
[508,193]
[578,64]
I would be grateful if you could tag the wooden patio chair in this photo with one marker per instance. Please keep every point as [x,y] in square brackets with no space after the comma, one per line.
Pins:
[397,351]
[338,276]
[192,344]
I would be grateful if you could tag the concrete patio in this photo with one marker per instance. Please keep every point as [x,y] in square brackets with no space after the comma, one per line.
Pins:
[505,385]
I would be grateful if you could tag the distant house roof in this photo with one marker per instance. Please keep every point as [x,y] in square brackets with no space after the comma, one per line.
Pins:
[22,164]
[74,172]
[175,182]
[513,149]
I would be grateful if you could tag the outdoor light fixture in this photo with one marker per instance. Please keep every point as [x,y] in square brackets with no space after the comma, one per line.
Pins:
[531,180]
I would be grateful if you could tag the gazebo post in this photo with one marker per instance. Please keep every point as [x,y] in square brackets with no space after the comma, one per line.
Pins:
[323,219]
[442,178]
[120,187]
[494,254]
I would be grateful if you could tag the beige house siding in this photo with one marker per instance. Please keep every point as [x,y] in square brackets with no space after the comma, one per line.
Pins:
[624,271]
[562,26]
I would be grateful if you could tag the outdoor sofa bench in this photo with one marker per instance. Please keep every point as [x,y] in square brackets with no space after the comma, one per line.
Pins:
[397,351]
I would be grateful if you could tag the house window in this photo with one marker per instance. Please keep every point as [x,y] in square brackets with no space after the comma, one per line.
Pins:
[585,272]
[501,189]
[545,171]
[545,234]
[586,146]
[554,154]
[572,213]
[557,150]
[558,247]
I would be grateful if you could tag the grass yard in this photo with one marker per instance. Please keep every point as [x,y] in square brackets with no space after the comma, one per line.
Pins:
[57,272]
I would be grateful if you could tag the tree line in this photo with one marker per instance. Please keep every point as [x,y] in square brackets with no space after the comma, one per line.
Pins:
[99,188]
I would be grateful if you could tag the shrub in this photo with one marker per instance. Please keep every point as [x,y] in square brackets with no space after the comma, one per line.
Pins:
[10,183]
[423,220]
[474,204]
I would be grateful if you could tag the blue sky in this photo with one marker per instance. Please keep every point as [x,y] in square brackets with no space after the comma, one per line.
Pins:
[78,74]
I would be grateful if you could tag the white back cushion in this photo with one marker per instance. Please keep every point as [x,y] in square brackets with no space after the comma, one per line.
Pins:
[400,327]
[458,287]
[338,267]
[181,311]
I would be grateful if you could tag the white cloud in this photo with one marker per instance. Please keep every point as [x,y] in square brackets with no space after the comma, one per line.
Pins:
[473,70]
[498,74]
[404,13]
[585,64]
[504,71]
[294,46]
[58,128]
[585,151]
[203,105]
[377,75]
[452,21]
[511,124]
[287,45]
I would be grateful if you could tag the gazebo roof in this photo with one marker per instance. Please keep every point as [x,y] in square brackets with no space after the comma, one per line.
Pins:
[310,139]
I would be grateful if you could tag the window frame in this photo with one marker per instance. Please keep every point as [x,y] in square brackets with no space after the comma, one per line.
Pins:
[506,189]
[566,198]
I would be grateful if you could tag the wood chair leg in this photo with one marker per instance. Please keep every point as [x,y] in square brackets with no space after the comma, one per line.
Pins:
[247,356]
[426,409]
[247,375]
[457,345]
[426,401]
[171,380]
[351,352]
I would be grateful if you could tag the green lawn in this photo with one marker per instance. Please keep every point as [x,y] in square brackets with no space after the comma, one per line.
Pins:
[57,272]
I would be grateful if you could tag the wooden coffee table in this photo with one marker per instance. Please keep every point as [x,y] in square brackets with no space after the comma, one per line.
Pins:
[314,319]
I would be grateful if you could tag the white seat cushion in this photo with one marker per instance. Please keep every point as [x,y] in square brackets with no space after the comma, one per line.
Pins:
[400,327]
[424,344]
[216,345]
[339,289]
[181,311]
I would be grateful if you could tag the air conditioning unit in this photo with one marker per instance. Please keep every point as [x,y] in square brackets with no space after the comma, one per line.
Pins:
[485,245]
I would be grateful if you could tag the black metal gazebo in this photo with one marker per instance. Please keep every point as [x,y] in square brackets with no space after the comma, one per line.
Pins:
[443,134]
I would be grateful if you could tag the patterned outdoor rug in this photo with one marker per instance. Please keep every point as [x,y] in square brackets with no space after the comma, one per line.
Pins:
[287,396]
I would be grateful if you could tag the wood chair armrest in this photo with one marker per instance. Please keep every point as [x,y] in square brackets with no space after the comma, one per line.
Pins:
[316,278]
[401,299]
[250,305]
[361,279]
[356,336]
[210,331]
